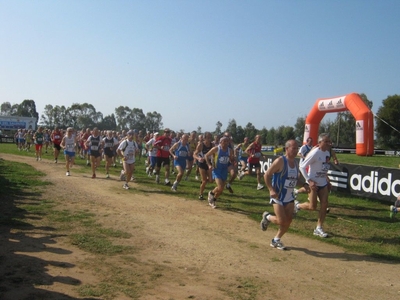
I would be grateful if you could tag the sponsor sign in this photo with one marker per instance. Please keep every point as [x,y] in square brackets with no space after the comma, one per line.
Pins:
[332,104]
[365,181]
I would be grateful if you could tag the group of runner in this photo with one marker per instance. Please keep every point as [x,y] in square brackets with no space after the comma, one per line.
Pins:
[215,159]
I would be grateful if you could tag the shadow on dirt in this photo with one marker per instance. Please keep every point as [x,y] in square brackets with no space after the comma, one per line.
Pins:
[21,275]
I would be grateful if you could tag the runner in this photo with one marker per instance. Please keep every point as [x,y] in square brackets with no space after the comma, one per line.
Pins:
[38,139]
[223,155]
[68,144]
[205,172]
[254,154]
[109,143]
[180,152]
[127,150]
[193,141]
[281,179]
[95,145]
[163,143]
[56,139]
[152,153]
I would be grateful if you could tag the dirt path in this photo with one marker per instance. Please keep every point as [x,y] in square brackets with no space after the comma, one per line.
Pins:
[187,251]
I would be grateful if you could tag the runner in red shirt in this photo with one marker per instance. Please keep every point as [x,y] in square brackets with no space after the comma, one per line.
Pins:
[56,138]
[163,143]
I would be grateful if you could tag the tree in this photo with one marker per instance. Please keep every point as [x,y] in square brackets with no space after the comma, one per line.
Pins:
[108,123]
[153,121]
[218,128]
[388,123]
[83,116]
[28,109]
[232,128]
[299,128]
[137,119]
[121,115]
[264,133]
[271,137]
[6,109]
[250,131]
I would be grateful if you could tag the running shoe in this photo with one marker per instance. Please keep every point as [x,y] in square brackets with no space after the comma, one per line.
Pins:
[197,177]
[296,207]
[201,197]
[229,188]
[320,232]
[157,179]
[93,176]
[167,182]
[67,174]
[295,193]
[126,186]
[277,244]
[393,211]
[174,188]
[241,174]
[55,161]
[264,222]
[107,175]
[211,199]
[259,187]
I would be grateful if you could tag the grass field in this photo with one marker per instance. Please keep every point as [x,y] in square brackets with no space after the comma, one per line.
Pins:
[356,224]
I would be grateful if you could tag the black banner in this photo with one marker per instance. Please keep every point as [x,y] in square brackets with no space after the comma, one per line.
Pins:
[366,181]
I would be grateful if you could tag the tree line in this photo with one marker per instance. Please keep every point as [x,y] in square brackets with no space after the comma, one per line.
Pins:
[342,129]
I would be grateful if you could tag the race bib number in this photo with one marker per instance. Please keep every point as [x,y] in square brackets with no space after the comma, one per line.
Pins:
[94,148]
[290,183]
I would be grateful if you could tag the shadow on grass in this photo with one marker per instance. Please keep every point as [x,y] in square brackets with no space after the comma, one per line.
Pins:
[21,273]
[348,256]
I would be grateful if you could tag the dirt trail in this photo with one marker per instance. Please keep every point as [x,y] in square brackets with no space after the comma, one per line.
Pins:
[196,252]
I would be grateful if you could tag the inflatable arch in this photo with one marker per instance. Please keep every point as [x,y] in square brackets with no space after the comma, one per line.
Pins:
[360,111]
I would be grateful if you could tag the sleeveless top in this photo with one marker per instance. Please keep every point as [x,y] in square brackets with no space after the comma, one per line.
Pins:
[285,181]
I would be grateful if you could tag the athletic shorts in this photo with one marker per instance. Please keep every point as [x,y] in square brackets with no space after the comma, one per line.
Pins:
[57,146]
[153,161]
[69,153]
[95,154]
[162,160]
[255,166]
[190,158]
[203,165]
[181,163]
[38,147]
[220,174]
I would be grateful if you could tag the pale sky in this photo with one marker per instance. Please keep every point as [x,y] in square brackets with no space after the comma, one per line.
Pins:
[197,62]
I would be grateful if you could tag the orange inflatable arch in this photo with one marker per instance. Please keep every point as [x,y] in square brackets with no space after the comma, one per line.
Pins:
[360,111]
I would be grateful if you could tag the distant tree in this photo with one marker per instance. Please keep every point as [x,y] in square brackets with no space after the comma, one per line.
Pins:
[27,108]
[250,131]
[299,128]
[153,121]
[264,134]
[6,109]
[218,128]
[240,134]
[199,130]
[137,119]
[121,115]
[232,128]
[271,137]
[108,123]
[82,116]
[388,123]
[54,116]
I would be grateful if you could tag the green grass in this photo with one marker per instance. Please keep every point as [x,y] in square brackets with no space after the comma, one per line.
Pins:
[356,224]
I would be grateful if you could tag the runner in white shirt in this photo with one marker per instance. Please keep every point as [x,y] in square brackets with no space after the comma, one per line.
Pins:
[315,168]
[152,152]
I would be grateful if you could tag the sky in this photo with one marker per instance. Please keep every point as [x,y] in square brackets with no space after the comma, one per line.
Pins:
[199,62]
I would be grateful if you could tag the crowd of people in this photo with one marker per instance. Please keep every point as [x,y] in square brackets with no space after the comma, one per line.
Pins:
[214,159]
